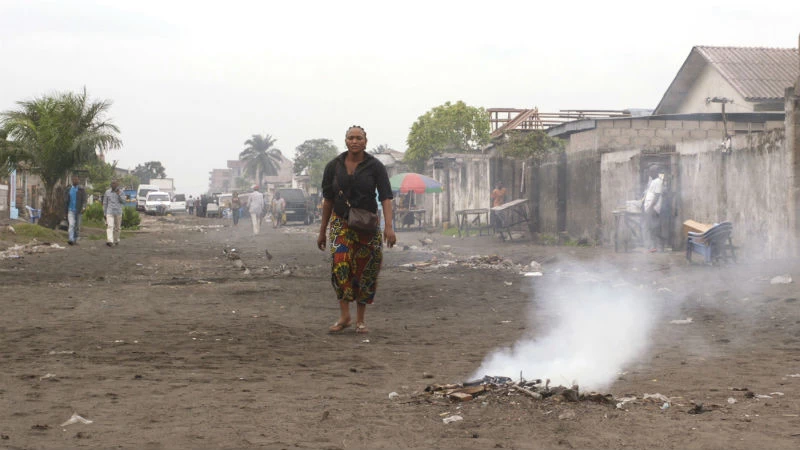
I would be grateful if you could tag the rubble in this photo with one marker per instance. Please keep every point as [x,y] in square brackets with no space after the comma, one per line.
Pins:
[17,251]
[496,386]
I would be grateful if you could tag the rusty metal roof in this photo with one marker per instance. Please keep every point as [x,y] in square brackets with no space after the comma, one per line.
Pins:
[756,73]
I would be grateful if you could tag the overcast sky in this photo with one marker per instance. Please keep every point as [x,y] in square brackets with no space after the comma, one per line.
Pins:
[191,81]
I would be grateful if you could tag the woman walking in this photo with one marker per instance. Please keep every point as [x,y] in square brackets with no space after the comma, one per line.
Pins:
[350,181]
[236,208]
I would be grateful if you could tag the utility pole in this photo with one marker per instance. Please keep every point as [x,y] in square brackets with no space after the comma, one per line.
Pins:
[724,101]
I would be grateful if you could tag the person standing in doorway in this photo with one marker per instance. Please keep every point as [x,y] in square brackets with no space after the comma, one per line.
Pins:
[256,208]
[74,204]
[651,207]
[112,211]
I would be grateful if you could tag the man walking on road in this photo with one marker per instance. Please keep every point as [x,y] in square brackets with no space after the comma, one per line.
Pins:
[256,208]
[74,204]
[112,211]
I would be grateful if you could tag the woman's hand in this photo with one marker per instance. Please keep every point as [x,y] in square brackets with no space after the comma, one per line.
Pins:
[321,241]
[389,237]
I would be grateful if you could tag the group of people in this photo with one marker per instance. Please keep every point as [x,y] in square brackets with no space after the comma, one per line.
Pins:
[349,181]
[75,202]
[257,208]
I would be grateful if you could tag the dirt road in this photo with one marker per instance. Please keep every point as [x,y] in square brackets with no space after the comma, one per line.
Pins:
[166,342]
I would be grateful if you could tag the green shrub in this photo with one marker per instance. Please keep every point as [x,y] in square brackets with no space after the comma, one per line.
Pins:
[94,213]
[130,218]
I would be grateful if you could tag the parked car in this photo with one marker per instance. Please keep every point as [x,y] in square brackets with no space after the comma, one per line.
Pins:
[157,203]
[299,206]
[178,204]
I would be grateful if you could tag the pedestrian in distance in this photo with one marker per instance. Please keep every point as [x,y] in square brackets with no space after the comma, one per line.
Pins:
[112,212]
[350,181]
[278,207]
[74,205]
[256,208]
[236,208]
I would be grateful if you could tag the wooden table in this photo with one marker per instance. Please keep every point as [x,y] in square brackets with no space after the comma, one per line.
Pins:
[510,214]
[466,219]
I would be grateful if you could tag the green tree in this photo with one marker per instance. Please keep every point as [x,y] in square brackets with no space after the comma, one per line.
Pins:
[260,157]
[314,154]
[149,170]
[452,127]
[383,148]
[54,135]
[534,144]
[100,175]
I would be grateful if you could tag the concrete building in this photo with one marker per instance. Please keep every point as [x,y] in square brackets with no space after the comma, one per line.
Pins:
[749,79]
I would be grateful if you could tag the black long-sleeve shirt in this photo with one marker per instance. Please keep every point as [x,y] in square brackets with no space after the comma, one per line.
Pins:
[370,174]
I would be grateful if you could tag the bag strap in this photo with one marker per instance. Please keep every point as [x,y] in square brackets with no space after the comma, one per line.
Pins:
[346,195]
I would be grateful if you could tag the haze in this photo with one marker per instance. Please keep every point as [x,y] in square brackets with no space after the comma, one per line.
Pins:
[191,81]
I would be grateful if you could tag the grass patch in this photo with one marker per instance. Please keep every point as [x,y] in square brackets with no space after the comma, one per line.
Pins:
[34,231]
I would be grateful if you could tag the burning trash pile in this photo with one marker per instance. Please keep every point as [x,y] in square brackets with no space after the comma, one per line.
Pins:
[504,386]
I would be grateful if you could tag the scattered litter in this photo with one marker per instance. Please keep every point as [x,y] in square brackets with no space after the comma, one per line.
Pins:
[698,408]
[393,395]
[47,376]
[781,279]
[507,283]
[663,289]
[76,419]
[779,394]
[665,406]
[365,341]
[731,401]
[567,415]
[17,251]
[655,398]
[763,396]
[621,401]
[532,274]
[681,321]
[794,375]
[454,418]
[62,352]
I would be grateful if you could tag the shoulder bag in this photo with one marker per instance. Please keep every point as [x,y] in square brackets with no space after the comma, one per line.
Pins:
[358,219]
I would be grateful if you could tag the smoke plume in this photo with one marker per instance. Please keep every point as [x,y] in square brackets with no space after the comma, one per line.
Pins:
[590,330]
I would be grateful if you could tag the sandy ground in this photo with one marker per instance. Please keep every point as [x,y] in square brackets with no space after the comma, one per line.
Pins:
[163,342]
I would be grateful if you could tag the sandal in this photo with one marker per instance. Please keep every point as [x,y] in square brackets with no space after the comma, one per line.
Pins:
[361,328]
[337,327]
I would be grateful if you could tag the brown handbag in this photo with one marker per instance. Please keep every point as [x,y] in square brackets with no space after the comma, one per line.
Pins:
[357,218]
[361,219]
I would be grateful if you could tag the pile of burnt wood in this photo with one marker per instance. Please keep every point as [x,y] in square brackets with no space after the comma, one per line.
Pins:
[535,389]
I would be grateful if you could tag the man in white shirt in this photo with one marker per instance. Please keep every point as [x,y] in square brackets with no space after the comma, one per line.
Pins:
[255,206]
[652,207]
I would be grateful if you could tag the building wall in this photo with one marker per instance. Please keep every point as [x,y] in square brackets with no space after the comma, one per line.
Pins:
[467,185]
[711,84]
[619,182]
[749,187]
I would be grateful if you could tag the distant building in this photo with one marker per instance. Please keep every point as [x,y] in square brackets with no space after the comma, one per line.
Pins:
[746,79]
[393,160]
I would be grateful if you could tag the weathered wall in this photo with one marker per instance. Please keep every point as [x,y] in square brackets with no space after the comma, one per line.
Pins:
[710,83]
[749,187]
[467,185]
[619,181]
[583,194]
[545,192]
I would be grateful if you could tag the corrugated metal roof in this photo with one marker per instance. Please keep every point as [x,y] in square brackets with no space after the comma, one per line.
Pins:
[755,72]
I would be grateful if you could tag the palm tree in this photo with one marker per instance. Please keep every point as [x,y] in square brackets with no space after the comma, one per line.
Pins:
[260,158]
[54,135]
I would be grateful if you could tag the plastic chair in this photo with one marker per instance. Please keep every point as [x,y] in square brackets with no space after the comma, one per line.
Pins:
[33,213]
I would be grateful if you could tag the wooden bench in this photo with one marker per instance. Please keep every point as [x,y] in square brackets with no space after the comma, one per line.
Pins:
[715,244]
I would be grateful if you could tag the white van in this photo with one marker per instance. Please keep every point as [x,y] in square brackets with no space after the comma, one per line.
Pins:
[157,203]
[141,194]
[178,204]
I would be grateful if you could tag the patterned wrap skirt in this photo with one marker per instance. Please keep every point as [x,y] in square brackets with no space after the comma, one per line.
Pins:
[356,262]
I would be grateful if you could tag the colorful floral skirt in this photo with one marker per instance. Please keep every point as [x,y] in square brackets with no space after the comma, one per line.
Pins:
[356,261]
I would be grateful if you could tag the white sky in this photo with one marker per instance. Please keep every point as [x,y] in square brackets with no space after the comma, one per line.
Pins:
[191,81]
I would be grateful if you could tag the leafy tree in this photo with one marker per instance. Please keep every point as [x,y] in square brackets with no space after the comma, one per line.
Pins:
[52,136]
[450,127]
[129,181]
[314,154]
[149,170]
[535,144]
[260,157]
[100,174]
